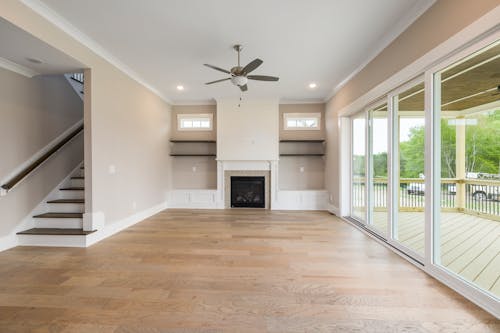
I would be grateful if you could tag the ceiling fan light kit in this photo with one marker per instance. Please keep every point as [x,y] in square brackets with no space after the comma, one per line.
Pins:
[239,75]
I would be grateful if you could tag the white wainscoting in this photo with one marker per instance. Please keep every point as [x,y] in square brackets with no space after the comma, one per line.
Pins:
[301,200]
[193,199]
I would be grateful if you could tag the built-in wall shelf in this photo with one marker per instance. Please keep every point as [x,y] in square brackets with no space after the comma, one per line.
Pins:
[184,155]
[192,141]
[303,141]
[303,154]
[186,147]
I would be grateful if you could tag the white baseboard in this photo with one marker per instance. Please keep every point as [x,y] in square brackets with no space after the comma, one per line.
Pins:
[8,242]
[115,227]
[332,209]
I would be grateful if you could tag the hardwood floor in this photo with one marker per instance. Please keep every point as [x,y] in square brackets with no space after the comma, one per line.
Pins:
[229,271]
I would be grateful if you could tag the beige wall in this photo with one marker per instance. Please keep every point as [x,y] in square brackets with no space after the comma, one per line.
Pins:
[302,108]
[248,132]
[33,113]
[444,19]
[130,126]
[194,135]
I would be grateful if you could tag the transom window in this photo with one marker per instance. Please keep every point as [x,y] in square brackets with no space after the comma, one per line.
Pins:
[302,121]
[194,122]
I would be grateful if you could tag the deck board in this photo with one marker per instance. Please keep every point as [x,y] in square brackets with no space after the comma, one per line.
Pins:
[470,245]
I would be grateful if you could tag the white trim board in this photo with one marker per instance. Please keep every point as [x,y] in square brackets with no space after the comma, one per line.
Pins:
[39,154]
[50,15]
[117,226]
[16,68]
[462,39]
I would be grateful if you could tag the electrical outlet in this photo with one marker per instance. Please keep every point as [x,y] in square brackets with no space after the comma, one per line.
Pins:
[134,205]
[111,169]
[301,169]
[194,168]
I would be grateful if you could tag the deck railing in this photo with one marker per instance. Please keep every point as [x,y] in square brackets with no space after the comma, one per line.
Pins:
[480,197]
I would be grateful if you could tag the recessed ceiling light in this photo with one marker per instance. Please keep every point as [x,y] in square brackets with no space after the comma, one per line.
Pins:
[312,85]
[180,88]
[34,60]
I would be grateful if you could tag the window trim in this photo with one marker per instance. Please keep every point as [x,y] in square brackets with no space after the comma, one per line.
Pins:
[202,116]
[295,115]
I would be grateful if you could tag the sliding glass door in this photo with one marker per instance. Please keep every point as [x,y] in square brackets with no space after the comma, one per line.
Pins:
[378,217]
[408,119]
[358,168]
[467,184]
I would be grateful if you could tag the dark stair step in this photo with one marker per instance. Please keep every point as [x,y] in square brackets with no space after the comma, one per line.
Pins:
[65,201]
[55,231]
[59,216]
[72,189]
[78,177]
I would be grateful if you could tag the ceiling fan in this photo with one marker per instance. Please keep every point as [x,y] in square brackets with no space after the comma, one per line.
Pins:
[239,75]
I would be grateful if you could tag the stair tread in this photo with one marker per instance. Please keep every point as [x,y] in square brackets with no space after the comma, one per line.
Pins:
[72,189]
[63,201]
[59,215]
[55,231]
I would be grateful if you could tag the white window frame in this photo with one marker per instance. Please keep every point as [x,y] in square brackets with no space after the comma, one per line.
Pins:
[294,115]
[194,116]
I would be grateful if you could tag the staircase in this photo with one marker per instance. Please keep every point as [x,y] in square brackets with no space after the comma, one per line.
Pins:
[60,215]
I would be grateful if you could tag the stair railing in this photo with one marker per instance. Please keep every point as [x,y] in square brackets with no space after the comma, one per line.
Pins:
[26,171]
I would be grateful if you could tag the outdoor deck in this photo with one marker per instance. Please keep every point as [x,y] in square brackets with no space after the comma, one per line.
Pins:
[470,244]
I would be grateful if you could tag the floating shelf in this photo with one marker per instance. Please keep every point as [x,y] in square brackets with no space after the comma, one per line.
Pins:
[192,141]
[178,155]
[304,141]
[302,154]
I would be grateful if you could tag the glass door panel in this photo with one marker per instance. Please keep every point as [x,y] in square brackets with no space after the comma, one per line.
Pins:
[358,168]
[379,217]
[467,226]
[409,179]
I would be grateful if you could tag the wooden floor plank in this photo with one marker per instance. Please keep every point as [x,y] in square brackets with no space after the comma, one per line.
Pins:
[229,271]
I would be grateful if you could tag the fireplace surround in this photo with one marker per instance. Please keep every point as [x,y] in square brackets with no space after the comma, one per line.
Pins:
[248,192]
[254,175]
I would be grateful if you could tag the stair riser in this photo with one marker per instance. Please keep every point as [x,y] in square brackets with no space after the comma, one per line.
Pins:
[51,240]
[77,182]
[71,194]
[69,223]
[66,208]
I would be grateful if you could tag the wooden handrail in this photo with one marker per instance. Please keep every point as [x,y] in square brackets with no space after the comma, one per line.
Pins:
[39,161]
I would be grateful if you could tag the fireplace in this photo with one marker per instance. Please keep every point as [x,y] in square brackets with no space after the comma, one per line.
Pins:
[248,192]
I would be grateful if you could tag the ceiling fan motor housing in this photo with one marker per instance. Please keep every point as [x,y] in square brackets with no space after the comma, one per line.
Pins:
[239,80]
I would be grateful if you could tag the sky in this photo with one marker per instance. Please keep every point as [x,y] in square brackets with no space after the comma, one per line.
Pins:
[380,133]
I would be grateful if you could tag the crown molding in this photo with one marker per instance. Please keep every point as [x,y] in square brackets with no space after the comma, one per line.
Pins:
[194,102]
[411,16]
[50,15]
[302,101]
[16,68]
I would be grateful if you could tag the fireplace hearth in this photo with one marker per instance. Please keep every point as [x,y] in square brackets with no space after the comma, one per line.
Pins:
[248,192]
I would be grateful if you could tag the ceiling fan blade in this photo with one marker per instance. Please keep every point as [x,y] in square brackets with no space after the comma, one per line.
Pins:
[218,69]
[252,66]
[218,80]
[244,87]
[263,78]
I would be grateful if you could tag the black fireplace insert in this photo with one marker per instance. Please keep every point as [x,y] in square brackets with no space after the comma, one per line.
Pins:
[248,192]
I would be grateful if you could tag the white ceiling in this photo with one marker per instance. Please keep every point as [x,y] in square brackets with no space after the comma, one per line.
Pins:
[17,46]
[166,42]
